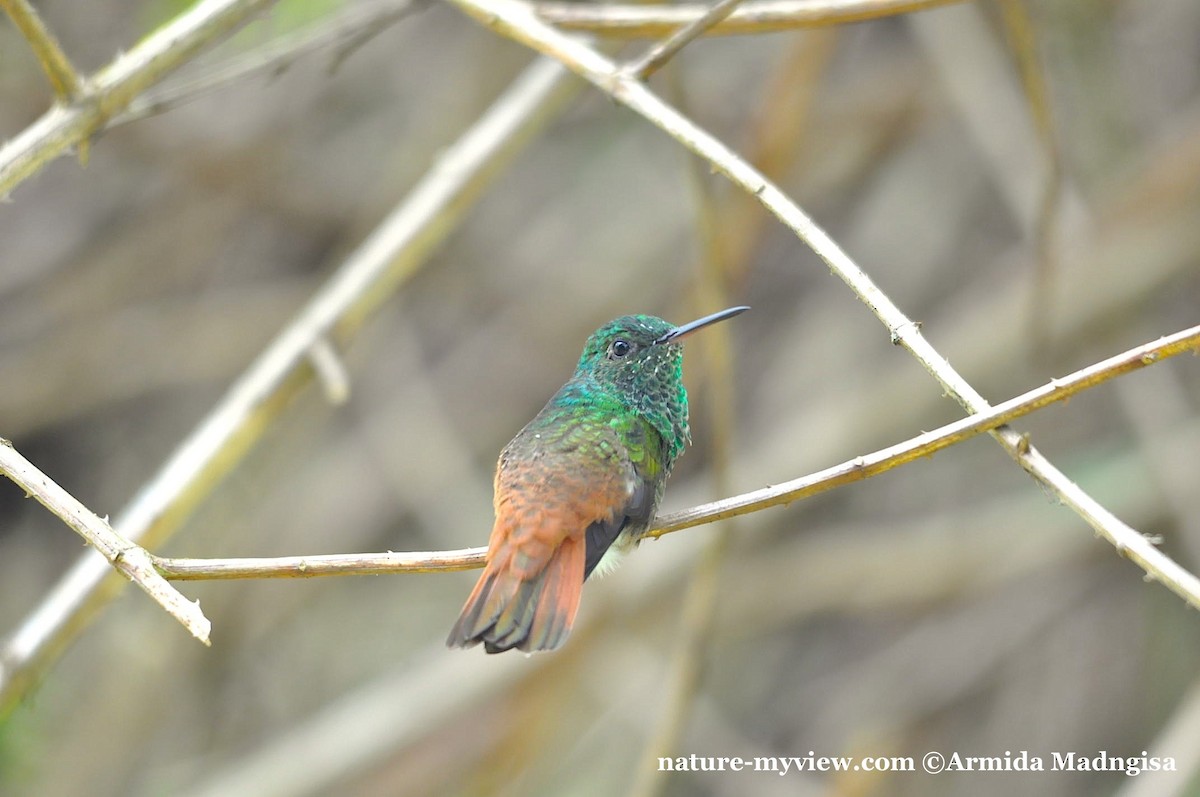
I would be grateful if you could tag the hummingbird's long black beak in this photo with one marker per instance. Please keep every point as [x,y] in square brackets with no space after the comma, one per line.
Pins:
[700,323]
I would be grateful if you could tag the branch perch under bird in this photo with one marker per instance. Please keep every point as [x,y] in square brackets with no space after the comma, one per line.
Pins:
[1182,582]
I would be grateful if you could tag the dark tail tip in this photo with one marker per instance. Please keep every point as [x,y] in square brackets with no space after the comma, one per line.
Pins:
[507,613]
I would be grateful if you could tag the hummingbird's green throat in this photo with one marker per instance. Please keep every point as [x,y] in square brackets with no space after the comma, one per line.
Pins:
[637,360]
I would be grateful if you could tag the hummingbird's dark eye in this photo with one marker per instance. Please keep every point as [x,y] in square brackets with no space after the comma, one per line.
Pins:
[618,349]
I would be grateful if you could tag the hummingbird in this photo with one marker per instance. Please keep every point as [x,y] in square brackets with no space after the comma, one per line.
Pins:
[581,482]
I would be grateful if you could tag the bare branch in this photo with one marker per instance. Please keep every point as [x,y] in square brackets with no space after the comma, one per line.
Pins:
[113,88]
[754,16]
[49,52]
[335,564]
[131,560]
[344,29]
[853,470]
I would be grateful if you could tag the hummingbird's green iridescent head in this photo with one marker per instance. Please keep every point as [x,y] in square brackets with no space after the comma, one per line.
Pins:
[638,359]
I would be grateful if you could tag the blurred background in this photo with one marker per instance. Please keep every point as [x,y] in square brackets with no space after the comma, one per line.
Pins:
[948,605]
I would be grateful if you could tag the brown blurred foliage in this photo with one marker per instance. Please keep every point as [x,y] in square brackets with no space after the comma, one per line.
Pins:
[947,605]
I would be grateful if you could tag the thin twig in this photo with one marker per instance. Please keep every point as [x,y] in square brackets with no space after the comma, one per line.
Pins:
[514,19]
[346,26]
[930,443]
[113,88]
[854,470]
[659,53]
[330,371]
[49,52]
[336,564]
[1023,43]
[753,16]
[391,254]
[129,559]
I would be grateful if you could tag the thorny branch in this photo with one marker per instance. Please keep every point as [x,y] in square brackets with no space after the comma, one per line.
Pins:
[113,88]
[343,31]
[129,559]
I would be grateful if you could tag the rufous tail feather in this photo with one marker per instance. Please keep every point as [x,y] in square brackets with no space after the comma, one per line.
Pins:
[506,610]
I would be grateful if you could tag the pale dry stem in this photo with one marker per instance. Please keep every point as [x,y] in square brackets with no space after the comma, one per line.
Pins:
[110,91]
[752,16]
[45,46]
[129,559]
